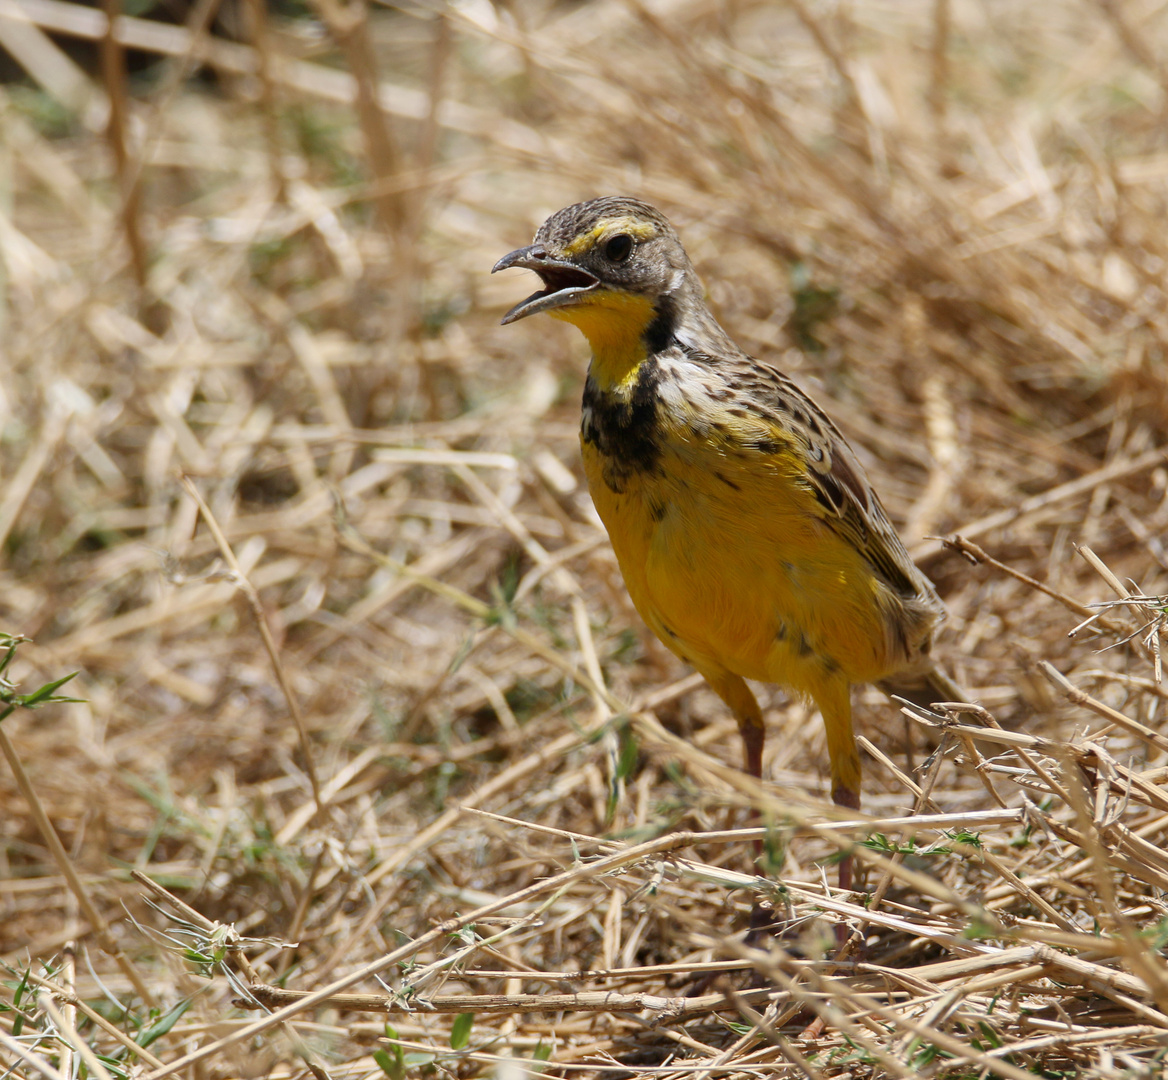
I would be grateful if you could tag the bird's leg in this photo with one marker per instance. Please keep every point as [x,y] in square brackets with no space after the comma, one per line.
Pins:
[835,704]
[753,737]
[834,699]
[846,797]
[733,690]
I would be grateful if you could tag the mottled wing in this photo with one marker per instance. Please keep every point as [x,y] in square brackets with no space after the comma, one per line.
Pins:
[855,511]
[836,478]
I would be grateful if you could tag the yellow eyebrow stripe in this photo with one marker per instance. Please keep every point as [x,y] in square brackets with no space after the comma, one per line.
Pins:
[639,230]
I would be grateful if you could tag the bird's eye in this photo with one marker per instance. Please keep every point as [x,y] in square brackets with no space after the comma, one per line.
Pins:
[618,248]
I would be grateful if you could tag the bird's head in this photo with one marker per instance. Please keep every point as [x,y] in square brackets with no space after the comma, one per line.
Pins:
[612,266]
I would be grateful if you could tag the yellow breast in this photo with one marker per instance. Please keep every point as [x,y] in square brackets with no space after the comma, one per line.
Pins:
[728,560]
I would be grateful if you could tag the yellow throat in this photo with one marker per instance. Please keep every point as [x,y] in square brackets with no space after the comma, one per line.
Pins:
[614,324]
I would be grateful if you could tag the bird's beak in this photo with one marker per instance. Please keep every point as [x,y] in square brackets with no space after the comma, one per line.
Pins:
[564,282]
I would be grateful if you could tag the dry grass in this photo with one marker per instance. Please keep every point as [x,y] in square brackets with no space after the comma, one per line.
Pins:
[362,688]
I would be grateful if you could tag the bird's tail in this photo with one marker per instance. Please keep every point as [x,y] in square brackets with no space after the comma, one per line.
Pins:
[924,687]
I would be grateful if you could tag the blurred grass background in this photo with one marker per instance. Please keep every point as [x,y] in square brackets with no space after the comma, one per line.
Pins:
[245,254]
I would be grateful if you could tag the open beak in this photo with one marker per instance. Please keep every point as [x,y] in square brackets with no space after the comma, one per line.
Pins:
[563,282]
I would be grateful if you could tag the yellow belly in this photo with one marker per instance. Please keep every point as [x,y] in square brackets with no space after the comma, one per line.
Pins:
[734,569]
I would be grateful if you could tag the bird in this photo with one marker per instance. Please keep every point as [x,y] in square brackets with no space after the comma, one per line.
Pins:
[748,535]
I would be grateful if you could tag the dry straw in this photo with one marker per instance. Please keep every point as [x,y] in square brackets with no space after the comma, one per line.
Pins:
[368,716]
